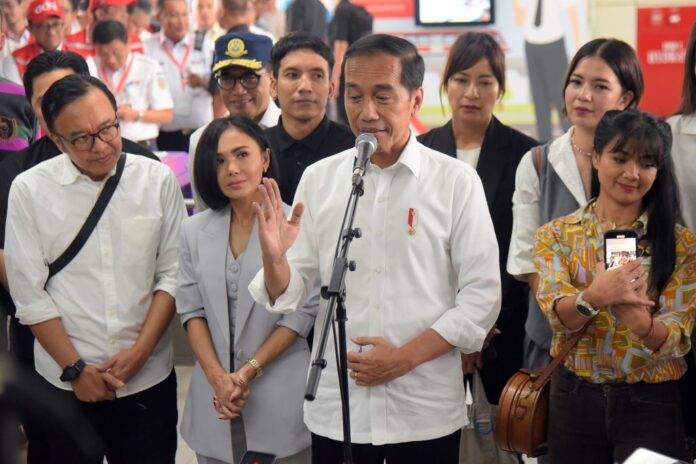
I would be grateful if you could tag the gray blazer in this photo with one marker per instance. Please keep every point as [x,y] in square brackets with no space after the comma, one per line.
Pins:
[273,415]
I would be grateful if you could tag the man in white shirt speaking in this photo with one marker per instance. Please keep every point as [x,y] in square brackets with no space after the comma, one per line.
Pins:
[427,285]
[101,322]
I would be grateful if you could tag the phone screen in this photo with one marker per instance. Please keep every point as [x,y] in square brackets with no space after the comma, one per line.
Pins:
[619,249]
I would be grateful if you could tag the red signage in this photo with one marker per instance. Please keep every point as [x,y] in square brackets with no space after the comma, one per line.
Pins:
[388,9]
[662,39]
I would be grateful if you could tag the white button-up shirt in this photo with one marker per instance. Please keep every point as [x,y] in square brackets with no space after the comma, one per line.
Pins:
[193,107]
[683,147]
[103,295]
[445,276]
[143,88]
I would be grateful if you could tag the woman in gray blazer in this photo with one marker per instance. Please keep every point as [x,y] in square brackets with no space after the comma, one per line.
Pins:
[231,407]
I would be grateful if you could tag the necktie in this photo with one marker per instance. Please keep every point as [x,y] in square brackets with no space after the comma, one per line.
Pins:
[537,16]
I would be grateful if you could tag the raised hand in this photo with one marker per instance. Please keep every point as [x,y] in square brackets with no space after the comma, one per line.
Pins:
[276,232]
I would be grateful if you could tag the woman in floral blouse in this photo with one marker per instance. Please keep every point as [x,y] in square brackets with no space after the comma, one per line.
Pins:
[617,390]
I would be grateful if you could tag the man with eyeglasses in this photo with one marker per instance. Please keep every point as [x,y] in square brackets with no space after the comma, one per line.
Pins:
[46,21]
[41,73]
[102,322]
[240,69]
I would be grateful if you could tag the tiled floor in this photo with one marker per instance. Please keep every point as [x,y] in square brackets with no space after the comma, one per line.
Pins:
[184,454]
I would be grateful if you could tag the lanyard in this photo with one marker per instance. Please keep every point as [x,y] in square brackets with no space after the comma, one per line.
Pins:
[107,80]
[181,65]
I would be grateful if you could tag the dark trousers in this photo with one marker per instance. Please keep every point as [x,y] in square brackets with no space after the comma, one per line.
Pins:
[443,450]
[136,429]
[173,141]
[605,423]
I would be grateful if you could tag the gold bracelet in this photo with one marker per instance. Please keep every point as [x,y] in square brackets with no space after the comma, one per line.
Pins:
[256,365]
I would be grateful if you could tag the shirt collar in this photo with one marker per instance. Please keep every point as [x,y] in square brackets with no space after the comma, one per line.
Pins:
[71,174]
[588,218]
[164,40]
[410,157]
[270,116]
[313,141]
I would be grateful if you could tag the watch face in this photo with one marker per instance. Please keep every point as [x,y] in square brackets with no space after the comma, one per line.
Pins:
[584,310]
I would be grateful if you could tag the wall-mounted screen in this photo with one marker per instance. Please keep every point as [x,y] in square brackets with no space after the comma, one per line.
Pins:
[454,12]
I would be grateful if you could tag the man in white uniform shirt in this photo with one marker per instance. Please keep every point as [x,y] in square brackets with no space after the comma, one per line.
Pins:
[137,82]
[427,285]
[187,70]
[101,323]
[15,25]
[241,69]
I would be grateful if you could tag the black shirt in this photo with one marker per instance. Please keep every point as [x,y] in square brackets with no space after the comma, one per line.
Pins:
[350,22]
[293,156]
[307,16]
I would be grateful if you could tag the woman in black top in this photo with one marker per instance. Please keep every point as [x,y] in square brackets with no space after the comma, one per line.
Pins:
[474,79]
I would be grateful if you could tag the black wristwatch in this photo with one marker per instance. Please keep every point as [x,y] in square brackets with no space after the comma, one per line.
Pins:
[72,371]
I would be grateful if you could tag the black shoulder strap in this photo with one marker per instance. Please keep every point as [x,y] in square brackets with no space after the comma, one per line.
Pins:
[90,223]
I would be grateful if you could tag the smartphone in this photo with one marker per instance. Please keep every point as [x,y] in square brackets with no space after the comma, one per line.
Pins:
[620,247]
[255,457]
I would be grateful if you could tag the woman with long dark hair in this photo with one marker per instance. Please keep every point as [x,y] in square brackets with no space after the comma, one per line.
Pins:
[556,179]
[617,389]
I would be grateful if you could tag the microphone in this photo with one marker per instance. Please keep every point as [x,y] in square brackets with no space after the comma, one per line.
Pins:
[366,144]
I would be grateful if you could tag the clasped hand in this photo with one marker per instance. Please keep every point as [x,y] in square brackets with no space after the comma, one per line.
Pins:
[379,365]
[624,290]
[231,393]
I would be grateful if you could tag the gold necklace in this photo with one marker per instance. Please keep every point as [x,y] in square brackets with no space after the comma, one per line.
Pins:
[576,147]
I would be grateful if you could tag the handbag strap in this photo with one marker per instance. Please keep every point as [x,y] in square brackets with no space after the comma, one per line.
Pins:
[565,349]
[90,223]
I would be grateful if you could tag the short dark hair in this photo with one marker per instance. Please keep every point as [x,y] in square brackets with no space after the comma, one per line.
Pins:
[687,105]
[235,7]
[50,61]
[205,162]
[622,60]
[105,32]
[299,41]
[649,138]
[469,49]
[412,65]
[67,90]
[143,5]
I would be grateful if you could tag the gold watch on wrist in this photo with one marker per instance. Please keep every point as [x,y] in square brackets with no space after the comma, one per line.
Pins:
[256,365]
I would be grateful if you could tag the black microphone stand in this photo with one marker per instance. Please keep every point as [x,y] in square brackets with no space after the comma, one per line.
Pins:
[335,292]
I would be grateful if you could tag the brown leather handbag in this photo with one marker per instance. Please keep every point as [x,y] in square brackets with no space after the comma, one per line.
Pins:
[523,409]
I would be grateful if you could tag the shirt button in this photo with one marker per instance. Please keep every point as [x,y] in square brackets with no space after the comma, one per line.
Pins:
[377,307]
[233,287]
[234,268]
[381,199]
[378,270]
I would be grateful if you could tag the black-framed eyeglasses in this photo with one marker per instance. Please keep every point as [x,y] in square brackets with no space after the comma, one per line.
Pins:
[249,81]
[85,142]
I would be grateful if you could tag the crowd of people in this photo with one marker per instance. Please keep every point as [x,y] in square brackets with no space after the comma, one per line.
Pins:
[481,250]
